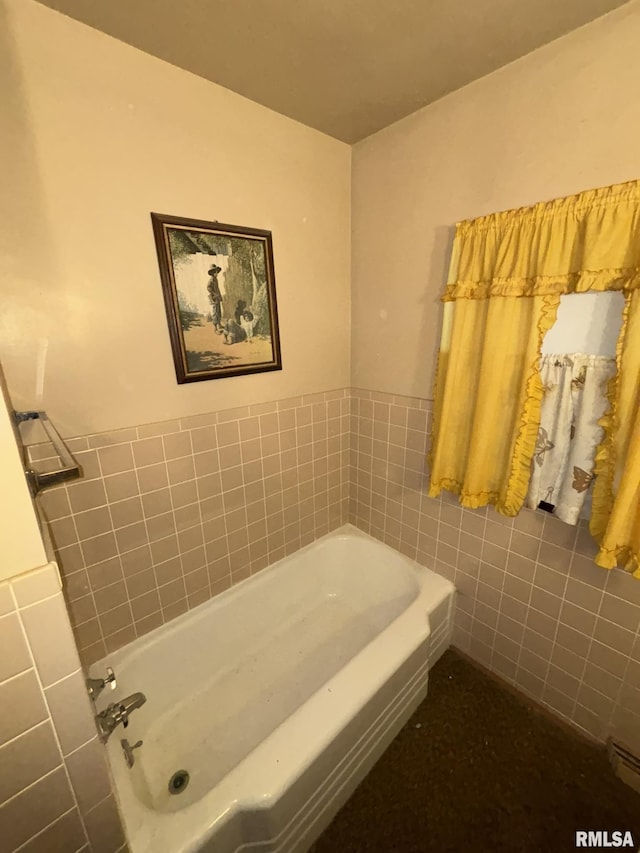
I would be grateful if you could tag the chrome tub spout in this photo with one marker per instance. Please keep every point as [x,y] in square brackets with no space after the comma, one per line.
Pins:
[116,713]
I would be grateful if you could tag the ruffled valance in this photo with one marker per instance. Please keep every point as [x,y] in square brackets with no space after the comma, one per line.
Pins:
[588,241]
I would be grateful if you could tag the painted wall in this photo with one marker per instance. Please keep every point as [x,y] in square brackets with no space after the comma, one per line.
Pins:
[560,120]
[97,135]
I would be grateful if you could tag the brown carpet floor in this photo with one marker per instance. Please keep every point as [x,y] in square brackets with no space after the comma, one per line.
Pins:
[478,769]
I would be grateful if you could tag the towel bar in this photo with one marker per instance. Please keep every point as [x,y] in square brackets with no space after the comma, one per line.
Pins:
[70,468]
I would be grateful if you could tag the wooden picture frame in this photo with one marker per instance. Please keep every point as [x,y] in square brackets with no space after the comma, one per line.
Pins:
[219,292]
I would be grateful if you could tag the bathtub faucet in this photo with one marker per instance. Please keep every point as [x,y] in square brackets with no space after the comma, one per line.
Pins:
[116,713]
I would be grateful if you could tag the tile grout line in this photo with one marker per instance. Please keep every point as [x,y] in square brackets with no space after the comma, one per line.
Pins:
[173,513]
[86,568]
[118,553]
[25,732]
[169,488]
[53,727]
[37,782]
[49,825]
[555,637]
[588,652]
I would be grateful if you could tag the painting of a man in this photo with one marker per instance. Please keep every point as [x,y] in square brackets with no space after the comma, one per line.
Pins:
[215,298]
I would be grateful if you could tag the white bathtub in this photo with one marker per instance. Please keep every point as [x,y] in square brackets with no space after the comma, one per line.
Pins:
[277,697]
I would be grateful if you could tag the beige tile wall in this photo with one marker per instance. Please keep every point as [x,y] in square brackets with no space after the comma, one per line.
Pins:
[55,791]
[169,514]
[532,606]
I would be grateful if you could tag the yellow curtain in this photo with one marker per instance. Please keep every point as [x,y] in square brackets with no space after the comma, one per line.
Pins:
[488,400]
[507,274]
[615,518]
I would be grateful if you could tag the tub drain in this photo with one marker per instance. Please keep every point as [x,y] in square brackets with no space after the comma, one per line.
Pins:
[178,782]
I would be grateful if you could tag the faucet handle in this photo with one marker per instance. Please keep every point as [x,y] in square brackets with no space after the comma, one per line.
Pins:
[96,685]
[128,751]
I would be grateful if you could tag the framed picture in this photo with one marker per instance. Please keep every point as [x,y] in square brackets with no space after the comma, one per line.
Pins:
[220,297]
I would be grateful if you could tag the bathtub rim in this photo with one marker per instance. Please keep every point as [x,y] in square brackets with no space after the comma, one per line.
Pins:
[335,701]
[141,644]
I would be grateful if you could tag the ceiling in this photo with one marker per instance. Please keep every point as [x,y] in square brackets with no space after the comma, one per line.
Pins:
[345,67]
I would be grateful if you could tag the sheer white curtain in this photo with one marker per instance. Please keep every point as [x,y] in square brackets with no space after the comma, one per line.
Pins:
[575,399]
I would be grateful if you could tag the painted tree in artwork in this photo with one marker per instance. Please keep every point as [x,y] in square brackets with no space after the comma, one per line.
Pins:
[245,278]
[260,302]
[183,243]
[189,314]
